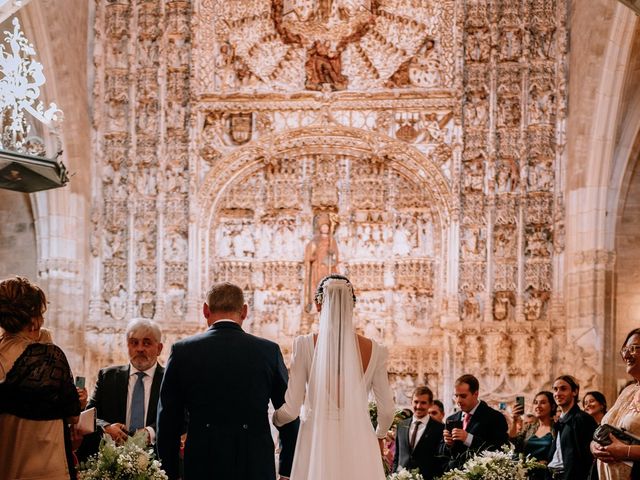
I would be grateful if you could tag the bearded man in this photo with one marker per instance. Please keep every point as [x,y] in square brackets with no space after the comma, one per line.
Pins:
[126,396]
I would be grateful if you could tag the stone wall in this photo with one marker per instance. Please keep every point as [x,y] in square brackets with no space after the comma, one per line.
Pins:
[17,236]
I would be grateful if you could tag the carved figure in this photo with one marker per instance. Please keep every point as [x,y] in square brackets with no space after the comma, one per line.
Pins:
[118,304]
[502,302]
[324,67]
[320,256]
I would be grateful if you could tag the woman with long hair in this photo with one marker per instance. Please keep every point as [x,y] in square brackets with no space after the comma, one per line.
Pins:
[536,439]
[331,375]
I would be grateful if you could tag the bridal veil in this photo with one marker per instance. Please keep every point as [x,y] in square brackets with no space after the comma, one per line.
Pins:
[341,434]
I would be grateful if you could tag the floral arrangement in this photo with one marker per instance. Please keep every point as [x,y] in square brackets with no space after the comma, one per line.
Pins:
[404,474]
[499,465]
[398,416]
[129,461]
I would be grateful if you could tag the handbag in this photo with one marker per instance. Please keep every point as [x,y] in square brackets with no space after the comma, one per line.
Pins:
[601,435]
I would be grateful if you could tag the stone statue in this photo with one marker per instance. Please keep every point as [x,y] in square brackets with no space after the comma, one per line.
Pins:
[320,257]
[324,66]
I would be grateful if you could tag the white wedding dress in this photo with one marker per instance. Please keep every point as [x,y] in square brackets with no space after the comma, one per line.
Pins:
[336,440]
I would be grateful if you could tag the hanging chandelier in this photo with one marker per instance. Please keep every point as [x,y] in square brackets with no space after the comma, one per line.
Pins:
[28,162]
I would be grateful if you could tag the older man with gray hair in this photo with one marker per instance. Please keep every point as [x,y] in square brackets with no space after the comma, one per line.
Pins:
[126,396]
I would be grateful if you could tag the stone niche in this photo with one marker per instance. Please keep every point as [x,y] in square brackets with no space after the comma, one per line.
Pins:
[416,145]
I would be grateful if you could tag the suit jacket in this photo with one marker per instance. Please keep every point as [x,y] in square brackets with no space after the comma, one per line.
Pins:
[489,429]
[110,400]
[425,456]
[576,432]
[224,379]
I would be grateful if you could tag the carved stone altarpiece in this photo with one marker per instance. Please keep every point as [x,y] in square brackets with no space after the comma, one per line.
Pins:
[426,133]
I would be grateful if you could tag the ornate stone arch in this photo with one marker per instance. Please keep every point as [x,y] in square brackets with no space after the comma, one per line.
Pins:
[327,139]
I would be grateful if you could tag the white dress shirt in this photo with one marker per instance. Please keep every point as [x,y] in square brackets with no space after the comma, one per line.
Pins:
[422,425]
[147,380]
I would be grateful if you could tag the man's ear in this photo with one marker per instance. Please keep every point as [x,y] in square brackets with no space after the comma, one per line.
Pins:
[205,310]
[244,312]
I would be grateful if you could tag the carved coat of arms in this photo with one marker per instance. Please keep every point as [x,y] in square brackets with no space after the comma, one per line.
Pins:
[240,127]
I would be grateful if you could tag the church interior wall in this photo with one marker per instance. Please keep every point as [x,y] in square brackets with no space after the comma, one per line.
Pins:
[17,236]
[172,132]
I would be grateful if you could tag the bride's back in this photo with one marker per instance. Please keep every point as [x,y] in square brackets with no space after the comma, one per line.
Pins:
[364,344]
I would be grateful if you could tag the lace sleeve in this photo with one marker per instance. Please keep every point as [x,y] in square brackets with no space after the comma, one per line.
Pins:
[383,394]
[40,386]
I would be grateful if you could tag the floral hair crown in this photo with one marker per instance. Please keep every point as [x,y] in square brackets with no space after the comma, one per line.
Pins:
[319,296]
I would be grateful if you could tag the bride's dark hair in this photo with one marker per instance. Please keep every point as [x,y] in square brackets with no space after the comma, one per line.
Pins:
[334,276]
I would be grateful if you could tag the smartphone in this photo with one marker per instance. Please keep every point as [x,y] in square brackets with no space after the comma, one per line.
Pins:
[80,382]
[520,402]
[451,424]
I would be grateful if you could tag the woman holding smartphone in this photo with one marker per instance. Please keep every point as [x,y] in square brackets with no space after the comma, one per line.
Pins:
[536,440]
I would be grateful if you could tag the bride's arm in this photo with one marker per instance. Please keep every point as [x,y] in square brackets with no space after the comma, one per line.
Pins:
[383,394]
[294,396]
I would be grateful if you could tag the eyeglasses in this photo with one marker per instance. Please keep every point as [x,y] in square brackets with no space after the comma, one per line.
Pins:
[631,349]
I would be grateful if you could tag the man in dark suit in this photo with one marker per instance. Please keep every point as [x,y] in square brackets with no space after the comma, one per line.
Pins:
[475,428]
[223,379]
[126,396]
[570,456]
[418,438]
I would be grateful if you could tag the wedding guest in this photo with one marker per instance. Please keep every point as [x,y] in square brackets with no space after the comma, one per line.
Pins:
[37,396]
[527,420]
[436,411]
[595,404]
[620,461]
[570,457]
[223,379]
[475,428]
[535,439]
[126,396]
[418,438]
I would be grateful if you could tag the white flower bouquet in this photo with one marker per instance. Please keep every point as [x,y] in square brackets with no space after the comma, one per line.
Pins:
[404,474]
[500,465]
[129,461]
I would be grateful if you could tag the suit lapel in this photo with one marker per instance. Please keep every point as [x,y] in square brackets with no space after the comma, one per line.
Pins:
[155,395]
[476,417]
[122,391]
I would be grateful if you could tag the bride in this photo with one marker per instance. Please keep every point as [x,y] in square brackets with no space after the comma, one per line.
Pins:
[331,374]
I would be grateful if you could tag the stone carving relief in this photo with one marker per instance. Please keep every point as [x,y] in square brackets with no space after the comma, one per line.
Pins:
[218,159]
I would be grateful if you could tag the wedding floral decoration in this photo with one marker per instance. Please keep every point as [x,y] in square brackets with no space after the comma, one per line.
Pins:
[129,461]
[404,474]
[398,416]
[498,465]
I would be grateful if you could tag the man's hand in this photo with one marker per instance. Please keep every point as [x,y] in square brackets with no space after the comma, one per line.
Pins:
[117,431]
[448,439]
[146,432]
[76,437]
[459,434]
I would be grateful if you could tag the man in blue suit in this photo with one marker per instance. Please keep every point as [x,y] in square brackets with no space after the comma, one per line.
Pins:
[223,380]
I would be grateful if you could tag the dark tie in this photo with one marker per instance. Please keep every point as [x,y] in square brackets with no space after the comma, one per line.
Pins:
[466,420]
[137,404]
[414,434]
